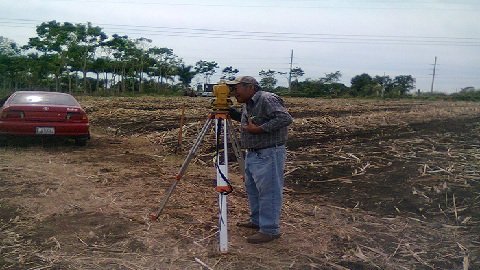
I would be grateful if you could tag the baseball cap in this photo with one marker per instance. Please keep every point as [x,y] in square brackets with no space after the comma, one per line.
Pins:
[243,79]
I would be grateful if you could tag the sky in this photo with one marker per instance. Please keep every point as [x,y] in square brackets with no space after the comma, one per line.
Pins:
[377,37]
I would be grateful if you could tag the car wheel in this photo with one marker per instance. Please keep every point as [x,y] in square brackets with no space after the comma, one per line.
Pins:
[80,141]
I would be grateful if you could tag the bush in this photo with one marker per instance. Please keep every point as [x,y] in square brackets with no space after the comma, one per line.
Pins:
[467,96]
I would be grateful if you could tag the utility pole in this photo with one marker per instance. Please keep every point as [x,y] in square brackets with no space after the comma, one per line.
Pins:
[290,73]
[433,77]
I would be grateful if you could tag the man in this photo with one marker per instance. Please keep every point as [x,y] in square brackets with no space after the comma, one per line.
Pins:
[264,121]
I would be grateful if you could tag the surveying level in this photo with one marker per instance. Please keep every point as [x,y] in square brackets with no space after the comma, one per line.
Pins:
[222,101]
[224,131]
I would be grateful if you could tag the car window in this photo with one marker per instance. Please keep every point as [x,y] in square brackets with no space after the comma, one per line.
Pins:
[40,98]
[2,100]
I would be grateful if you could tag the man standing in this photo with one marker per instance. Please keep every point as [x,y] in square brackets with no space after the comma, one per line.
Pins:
[264,121]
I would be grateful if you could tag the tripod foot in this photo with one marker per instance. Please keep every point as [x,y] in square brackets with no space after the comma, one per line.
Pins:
[153,216]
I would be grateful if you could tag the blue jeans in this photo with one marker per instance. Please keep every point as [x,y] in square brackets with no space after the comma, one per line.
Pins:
[264,186]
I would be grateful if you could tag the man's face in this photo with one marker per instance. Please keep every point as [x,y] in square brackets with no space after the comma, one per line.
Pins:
[243,92]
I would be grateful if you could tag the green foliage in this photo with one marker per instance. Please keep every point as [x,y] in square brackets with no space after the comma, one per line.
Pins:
[402,84]
[229,73]
[62,54]
[8,47]
[186,74]
[381,86]
[268,80]
[207,69]
[362,85]
[469,95]
[296,73]
[317,88]
[433,96]
[164,64]
[333,77]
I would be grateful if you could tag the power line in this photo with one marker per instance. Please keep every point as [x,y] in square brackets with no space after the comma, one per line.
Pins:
[284,34]
[300,34]
[276,36]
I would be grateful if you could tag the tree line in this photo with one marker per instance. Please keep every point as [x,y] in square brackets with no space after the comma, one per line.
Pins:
[68,57]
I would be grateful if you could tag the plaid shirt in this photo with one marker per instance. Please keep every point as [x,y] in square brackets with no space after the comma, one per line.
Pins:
[266,110]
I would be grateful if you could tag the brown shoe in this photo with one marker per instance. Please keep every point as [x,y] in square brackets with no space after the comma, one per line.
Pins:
[248,224]
[259,238]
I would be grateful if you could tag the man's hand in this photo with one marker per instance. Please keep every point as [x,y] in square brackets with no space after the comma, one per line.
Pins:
[234,114]
[252,128]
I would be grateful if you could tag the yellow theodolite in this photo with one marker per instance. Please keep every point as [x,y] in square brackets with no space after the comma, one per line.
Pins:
[222,101]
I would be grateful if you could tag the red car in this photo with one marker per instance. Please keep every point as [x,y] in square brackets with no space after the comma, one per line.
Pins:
[38,113]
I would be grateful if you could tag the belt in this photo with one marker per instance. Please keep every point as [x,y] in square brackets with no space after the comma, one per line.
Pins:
[260,148]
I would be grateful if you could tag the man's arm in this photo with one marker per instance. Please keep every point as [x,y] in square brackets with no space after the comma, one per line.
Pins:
[278,114]
[280,119]
[234,114]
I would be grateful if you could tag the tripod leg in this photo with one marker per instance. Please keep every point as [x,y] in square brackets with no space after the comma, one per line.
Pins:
[222,165]
[236,147]
[191,153]
[194,148]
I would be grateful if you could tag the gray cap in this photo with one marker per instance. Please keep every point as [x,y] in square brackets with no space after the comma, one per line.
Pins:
[243,79]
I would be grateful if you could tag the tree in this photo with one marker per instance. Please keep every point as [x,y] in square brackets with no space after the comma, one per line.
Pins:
[122,50]
[185,74]
[268,80]
[8,47]
[403,84]
[362,85]
[297,73]
[89,38]
[141,53]
[8,51]
[55,39]
[333,77]
[467,89]
[165,63]
[385,85]
[229,73]
[206,68]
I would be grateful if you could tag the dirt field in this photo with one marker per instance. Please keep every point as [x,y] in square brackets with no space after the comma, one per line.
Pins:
[369,185]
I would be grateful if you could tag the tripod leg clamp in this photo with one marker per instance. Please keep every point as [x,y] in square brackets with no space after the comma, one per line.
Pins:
[224,189]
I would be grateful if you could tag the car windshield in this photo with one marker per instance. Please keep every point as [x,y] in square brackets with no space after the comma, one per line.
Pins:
[44,99]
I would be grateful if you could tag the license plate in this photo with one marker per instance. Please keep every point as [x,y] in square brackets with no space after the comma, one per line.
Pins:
[45,130]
